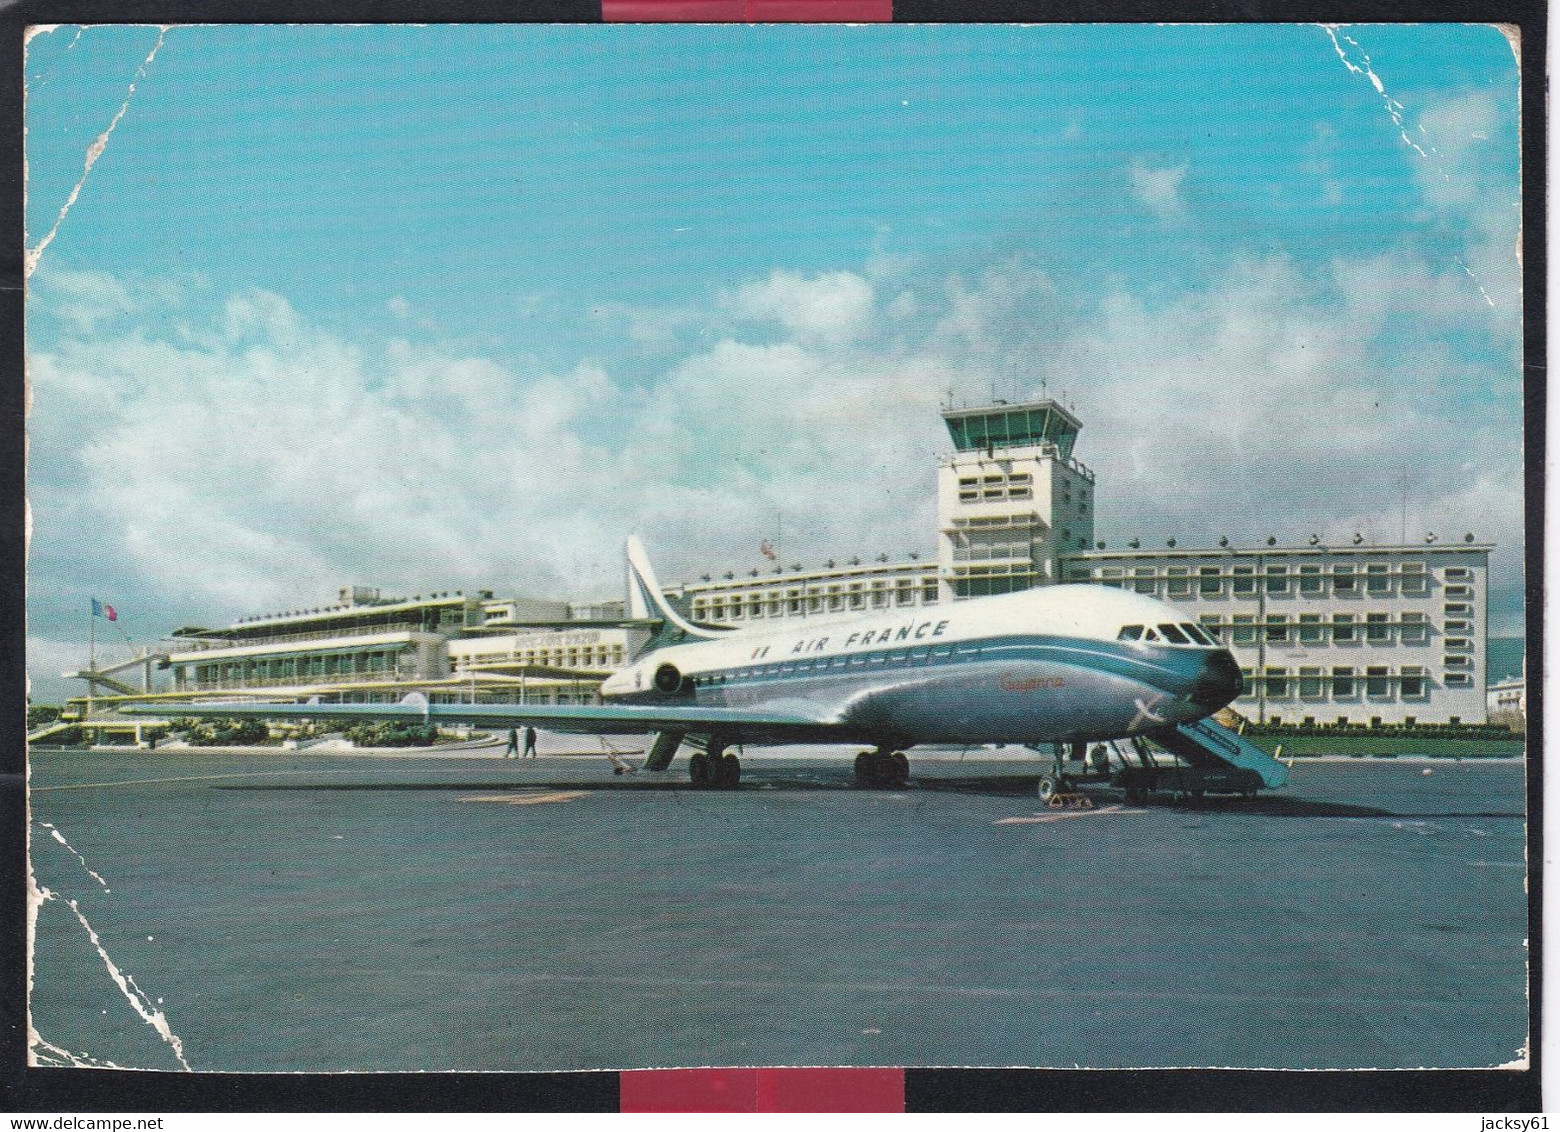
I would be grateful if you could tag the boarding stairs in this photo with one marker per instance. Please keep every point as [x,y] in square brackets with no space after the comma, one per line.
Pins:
[1211,746]
[1209,758]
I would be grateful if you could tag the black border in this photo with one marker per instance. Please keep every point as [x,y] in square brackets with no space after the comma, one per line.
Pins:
[927,1090]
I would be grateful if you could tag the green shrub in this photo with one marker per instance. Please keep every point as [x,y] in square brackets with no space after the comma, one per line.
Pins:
[228,733]
[392,734]
[39,714]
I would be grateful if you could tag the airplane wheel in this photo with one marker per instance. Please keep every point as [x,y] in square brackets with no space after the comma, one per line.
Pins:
[901,764]
[730,771]
[699,769]
[1046,787]
[864,768]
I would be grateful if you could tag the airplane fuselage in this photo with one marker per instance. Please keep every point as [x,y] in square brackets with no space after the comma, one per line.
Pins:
[1036,666]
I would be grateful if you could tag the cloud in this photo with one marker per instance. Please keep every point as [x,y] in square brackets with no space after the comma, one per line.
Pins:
[1472,202]
[833,307]
[231,455]
[1159,190]
[1272,402]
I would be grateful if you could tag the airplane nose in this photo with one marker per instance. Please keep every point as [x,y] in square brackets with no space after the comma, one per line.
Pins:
[1219,682]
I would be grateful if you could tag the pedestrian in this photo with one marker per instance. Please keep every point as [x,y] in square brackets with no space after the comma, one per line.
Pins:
[530,742]
[512,750]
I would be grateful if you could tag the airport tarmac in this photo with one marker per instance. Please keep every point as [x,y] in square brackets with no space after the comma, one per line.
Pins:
[288,911]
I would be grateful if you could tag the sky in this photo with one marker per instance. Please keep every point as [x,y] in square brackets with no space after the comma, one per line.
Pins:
[436,308]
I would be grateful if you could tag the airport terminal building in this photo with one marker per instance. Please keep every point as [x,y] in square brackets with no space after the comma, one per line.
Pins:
[1324,634]
[1357,634]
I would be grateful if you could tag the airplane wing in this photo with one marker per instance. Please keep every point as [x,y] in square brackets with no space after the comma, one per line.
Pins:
[776,724]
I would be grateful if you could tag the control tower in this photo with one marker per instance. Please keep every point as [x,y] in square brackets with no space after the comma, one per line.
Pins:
[1011,499]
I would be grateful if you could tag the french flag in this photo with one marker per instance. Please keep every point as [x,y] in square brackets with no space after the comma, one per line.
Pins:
[103,609]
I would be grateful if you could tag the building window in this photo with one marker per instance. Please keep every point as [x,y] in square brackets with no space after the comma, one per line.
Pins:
[1412,684]
[1310,628]
[1311,684]
[1278,579]
[1110,576]
[1461,644]
[1343,683]
[1277,682]
[1245,581]
[1343,579]
[1459,661]
[1413,629]
[1457,607]
[1459,591]
[1143,580]
[1310,579]
[1457,572]
[1458,680]
[1378,626]
[1276,629]
[1246,691]
[1210,625]
[1209,582]
[1378,683]
[1180,582]
[1343,627]
[1245,629]
[1378,579]
[1415,582]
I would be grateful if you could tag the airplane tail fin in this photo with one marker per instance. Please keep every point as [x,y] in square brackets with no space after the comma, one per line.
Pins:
[646,601]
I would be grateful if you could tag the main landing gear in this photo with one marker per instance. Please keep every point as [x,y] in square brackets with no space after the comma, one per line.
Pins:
[882,768]
[714,768]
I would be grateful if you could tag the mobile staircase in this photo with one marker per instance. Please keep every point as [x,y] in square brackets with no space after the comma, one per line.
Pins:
[1217,761]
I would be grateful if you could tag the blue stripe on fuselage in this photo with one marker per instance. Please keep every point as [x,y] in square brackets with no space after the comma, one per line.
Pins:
[1172,670]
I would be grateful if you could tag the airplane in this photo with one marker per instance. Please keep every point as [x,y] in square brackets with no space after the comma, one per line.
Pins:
[1064,664]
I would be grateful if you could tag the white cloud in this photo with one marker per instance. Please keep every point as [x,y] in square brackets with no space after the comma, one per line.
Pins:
[833,307]
[244,459]
[1159,190]
[398,306]
[1461,183]
[1270,403]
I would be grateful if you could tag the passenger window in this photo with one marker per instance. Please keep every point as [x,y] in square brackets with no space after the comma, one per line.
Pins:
[1130,633]
[1174,635]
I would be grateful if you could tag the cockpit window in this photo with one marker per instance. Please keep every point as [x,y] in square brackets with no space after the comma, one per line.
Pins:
[1196,633]
[1150,635]
[1174,635]
[1130,633]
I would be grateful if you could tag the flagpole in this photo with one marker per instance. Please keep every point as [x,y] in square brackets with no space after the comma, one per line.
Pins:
[91,652]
